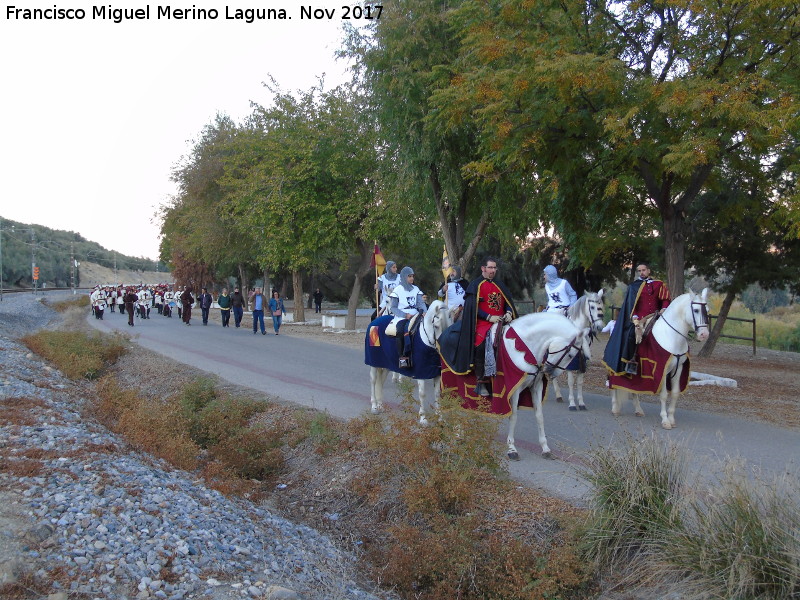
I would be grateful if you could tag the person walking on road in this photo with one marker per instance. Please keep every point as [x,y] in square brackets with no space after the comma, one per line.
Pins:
[237,306]
[258,301]
[224,302]
[277,309]
[205,301]
[187,300]
[317,301]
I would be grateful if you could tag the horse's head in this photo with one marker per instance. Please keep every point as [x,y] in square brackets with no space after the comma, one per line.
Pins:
[595,308]
[437,319]
[698,314]
[561,351]
[588,311]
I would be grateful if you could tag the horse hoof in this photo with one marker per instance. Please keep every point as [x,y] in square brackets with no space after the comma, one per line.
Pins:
[666,426]
[559,399]
[573,408]
[548,455]
[513,456]
[582,407]
[376,410]
[616,414]
[639,413]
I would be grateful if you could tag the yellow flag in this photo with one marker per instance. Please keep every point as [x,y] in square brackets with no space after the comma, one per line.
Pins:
[378,261]
[446,268]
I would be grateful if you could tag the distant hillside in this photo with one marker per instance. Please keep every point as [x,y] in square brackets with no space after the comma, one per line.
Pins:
[52,249]
[92,275]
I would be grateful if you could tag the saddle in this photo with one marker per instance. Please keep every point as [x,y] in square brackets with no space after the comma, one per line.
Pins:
[642,328]
[391,327]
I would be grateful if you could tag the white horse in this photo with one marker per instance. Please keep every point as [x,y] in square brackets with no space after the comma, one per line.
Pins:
[670,332]
[435,321]
[554,341]
[586,312]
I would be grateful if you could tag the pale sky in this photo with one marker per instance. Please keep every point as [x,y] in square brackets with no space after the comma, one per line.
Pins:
[97,113]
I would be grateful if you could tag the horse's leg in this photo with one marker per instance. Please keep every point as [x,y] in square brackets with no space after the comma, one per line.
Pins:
[579,384]
[674,393]
[556,389]
[571,387]
[377,377]
[423,401]
[617,396]
[537,403]
[637,407]
[512,424]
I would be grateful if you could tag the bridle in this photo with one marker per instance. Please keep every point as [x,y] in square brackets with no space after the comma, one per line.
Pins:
[560,354]
[695,325]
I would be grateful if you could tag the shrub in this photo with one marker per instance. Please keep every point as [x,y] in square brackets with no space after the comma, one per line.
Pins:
[741,542]
[252,452]
[636,491]
[79,301]
[76,354]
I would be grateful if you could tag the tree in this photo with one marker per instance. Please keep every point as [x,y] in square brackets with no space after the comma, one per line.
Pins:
[198,235]
[624,111]
[739,239]
[404,58]
[302,182]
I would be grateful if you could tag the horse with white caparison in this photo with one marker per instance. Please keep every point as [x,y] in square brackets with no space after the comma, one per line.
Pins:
[538,345]
[381,354]
[664,365]
[587,311]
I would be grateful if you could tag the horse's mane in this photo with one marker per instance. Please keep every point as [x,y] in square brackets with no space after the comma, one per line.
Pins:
[574,311]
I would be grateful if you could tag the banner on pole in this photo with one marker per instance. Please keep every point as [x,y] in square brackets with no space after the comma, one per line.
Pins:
[378,261]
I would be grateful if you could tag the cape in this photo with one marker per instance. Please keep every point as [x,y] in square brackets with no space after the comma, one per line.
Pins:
[457,342]
[622,342]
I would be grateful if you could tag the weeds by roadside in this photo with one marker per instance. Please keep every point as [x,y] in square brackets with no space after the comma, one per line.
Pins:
[650,525]
[76,354]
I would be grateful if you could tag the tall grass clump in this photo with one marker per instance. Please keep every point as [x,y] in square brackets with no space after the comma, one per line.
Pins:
[741,541]
[637,487]
[76,354]
[79,301]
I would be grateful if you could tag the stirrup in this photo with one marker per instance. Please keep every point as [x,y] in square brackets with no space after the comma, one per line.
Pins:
[481,389]
[632,368]
[405,362]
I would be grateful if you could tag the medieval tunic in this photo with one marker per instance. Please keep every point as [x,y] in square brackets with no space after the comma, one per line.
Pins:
[558,298]
[458,342]
[643,297]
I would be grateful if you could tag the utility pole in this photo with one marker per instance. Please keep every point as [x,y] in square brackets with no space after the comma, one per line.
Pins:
[34,273]
[72,266]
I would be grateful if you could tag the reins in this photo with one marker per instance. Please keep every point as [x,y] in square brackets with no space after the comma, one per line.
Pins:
[562,353]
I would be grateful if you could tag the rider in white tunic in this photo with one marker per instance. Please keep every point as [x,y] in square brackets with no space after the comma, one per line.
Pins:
[406,303]
[560,295]
[386,283]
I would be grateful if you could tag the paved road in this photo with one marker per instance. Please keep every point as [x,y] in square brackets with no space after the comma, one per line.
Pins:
[334,378]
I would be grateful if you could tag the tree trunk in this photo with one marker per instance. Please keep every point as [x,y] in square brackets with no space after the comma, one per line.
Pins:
[713,336]
[674,249]
[243,281]
[299,309]
[355,294]
[267,284]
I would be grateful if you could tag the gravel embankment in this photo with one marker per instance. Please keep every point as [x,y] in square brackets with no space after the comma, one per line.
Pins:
[91,518]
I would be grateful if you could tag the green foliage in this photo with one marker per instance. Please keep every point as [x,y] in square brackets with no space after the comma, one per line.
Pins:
[76,354]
